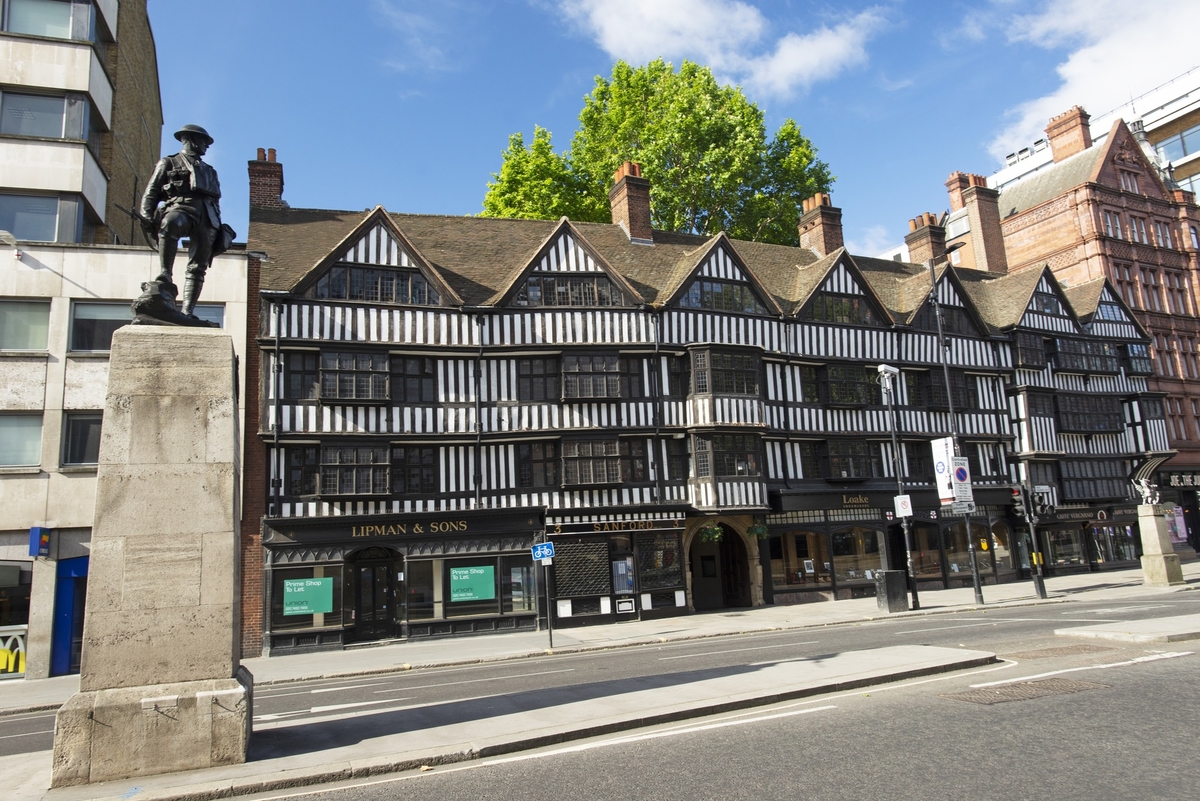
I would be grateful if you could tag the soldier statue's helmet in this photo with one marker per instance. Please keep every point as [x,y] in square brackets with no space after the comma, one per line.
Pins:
[193,130]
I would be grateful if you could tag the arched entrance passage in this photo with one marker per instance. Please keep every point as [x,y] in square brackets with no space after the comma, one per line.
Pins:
[378,588]
[720,572]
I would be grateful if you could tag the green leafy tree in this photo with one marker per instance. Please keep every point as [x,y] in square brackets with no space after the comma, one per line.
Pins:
[702,146]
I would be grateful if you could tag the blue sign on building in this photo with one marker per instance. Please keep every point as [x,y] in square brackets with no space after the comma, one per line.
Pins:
[543,550]
[39,541]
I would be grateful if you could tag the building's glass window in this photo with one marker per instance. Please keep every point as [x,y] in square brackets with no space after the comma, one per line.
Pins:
[212,312]
[677,460]
[1109,311]
[93,324]
[1176,293]
[1195,237]
[301,377]
[591,461]
[700,370]
[601,377]
[375,285]
[31,115]
[303,470]
[1187,356]
[50,18]
[810,385]
[1150,290]
[1031,351]
[24,324]
[569,290]
[1162,234]
[927,389]
[1112,225]
[678,376]
[1048,303]
[1126,285]
[537,380]
[1182,144]
[81,438]
[354,376]
[955,320]
[1089,413]
[920,460]
[414,379]
[1129,180]
[1176,422]
[30,218]
[1164,355]
[354,470]
[1137,359]
[414,470]
[830,308]
[1137,230]
[537,464]
[1076,355]
[849,385]
[812,459]
[722,296]
[1090,479]
[20,440]
[855,459]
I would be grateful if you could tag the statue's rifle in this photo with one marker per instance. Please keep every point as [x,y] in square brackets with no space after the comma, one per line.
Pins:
[147,226]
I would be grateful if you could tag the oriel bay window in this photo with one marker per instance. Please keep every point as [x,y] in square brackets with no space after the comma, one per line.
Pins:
[1137,359]
[1090,413]
[1091,479]
[354,376]
[1031,351]
[726,455]
[1077,355]
[725,373]
[601,377]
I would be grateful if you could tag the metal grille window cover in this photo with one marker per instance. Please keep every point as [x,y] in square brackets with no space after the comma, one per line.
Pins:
[660,564]
[354,376]
[569,290]
[601,377]
[1024,691]
[581,569]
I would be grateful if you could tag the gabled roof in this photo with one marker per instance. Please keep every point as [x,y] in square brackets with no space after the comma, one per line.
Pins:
[900,286]
[719,242]
[1085,299]
[1001,300]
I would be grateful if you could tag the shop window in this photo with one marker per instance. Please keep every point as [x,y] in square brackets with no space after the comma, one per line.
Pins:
[1002,543]
[828,307]
[374,285]
[848,385]
[927,389]
[470,587]
[537,464]
[1094,479]
[538,380]
[301,377]
[326,596]
[354,376]
[24,324]
[569,290]
[1064,547]
[958,555]
[518,590]
[1089,413]
[93,324]
[1137,359]
[20,440]
[81,438]
[727,455]
[722,296]
[800,560]
[591,461]
[414,379]
[608,376]
[419,584]
[1031,351]
[336,470]
[582,569]
[678,376]
[414,470]
[856,553]
[660,561]
[726,373]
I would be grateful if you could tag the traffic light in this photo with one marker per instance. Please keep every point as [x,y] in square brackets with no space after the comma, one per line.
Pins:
[1041,504]
[1018,501]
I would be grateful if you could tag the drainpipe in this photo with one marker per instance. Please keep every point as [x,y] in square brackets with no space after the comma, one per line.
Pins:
[656,388]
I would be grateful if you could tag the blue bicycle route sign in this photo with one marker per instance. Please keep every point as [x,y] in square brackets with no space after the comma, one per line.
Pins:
[543,550]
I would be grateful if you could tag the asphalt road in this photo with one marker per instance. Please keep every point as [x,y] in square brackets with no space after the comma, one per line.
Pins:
[282,711]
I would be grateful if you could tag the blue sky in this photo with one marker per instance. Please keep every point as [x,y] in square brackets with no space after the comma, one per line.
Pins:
[409,104]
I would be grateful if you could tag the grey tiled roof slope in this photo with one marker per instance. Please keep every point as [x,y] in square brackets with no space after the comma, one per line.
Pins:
[1050,182]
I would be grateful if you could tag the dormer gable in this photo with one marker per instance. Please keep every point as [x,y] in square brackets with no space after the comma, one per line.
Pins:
[721,281]
[843,296]
[1048,309]
[376,263]
[567,272]
[1125,166]
[959,316]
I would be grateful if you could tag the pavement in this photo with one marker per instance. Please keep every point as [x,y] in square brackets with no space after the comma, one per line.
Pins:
[412,745]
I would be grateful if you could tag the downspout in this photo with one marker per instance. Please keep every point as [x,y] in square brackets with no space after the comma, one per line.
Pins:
[656,388]
[478,476]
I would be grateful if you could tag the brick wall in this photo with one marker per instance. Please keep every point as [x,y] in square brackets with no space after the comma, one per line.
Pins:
[266,181]
[254,476]
[630,201]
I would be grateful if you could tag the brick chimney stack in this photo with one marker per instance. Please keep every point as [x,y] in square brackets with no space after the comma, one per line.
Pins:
[630,201]
[971,192]
[1069,133]
[926,240]
[266,181]
[820,225]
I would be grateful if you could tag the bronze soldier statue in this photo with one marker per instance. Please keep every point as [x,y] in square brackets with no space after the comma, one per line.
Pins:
[183,200]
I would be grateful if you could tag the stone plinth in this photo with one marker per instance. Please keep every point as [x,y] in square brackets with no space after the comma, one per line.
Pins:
[160,685]
[1160,563]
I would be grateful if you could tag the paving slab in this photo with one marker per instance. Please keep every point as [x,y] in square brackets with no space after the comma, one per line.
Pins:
[353,746]
[1156,630]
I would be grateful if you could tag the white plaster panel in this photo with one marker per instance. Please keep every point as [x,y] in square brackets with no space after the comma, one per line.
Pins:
[44,166]
[109,274]
[66,66]
[95,184]
[22,383]
[86,384]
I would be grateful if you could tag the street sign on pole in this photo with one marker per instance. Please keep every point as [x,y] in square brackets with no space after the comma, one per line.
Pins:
[903,506]
[963,508]
[943,465]
[960,479]
[543,550]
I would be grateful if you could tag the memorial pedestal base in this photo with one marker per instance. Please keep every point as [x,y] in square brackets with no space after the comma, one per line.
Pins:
[1161,570]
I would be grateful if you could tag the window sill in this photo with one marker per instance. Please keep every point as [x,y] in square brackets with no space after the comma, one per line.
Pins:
[19,471]
[89,355]
[40,355]
[78,468]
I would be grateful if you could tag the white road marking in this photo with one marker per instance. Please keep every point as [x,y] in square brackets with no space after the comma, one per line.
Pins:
[736,650]
[1127,663]
[351,687]
[473,681]
[25,734]
[1112,609]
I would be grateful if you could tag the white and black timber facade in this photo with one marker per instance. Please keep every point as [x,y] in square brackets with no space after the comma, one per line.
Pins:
[440,393]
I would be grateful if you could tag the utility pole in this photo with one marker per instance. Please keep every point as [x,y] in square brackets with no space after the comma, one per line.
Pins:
[886,374]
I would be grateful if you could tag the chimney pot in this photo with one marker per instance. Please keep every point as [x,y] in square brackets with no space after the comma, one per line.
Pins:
[266,181]
[262,154]
[926,240]
[630,202]
[271,154]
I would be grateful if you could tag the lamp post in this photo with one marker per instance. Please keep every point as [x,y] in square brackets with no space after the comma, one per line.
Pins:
[886,374]
[937,313]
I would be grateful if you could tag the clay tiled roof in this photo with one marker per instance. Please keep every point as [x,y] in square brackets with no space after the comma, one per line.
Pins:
[1000,299]
[1085,297]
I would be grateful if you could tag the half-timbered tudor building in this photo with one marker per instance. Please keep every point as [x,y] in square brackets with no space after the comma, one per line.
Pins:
[693,421]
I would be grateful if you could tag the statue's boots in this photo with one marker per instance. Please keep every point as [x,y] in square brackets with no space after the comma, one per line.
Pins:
[191,294]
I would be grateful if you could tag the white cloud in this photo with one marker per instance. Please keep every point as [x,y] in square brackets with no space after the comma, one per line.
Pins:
[420,33]
[871,241]
[1118,51]
[730,36]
